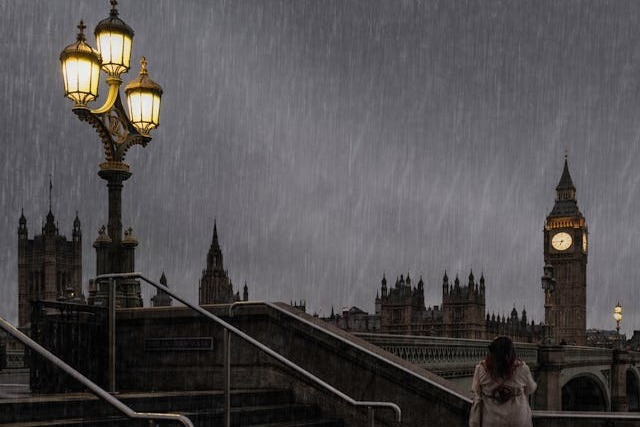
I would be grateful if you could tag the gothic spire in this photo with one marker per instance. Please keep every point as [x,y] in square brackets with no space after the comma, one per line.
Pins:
[566,203]
[76,228]
[22,225]
[50,189]
[566,183]
[50,224]
[163,280]
[215,245]
[214,257]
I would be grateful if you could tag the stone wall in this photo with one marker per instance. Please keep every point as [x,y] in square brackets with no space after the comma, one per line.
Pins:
[357,368]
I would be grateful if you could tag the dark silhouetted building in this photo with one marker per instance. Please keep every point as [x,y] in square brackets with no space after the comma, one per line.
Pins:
[215,286]
[161,298]
[49,266]
[401,310]
[463,308]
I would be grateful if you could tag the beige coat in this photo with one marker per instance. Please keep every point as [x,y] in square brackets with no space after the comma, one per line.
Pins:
[515,412]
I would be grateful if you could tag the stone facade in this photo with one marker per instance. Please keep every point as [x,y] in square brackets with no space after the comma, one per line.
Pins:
[49,266]
[354,319]
[515,326]
[463,308]
[215,286]
[401,310]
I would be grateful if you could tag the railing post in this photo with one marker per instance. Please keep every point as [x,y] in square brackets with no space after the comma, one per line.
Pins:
[112,335]
[370,418]
[551,360]
[620,364]
[227,377]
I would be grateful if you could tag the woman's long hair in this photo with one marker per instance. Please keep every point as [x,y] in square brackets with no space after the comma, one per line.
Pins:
[501,360]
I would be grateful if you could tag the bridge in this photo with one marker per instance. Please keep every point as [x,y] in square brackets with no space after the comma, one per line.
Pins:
[569,378]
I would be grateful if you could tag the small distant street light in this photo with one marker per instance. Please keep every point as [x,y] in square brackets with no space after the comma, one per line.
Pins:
[617,314]
[549,285]
[81,65]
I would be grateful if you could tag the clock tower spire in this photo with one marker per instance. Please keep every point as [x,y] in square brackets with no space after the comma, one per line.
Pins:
[565,248]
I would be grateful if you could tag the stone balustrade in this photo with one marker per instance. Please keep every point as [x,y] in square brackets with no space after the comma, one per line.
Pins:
[448,357]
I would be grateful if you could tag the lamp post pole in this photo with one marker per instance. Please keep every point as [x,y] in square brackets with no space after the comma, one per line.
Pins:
[549,285]
[115,180]
[617,315]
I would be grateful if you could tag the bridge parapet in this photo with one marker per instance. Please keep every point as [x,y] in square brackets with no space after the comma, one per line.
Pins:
[554,367]
[448,357]
[586,356]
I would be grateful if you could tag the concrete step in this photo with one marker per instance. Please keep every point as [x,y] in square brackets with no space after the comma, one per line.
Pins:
[84,405]
[319,422]
[122,422]
[264,408]
[257,415]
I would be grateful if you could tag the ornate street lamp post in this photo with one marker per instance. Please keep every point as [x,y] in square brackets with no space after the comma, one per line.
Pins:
[118,132]
[617,315]
[549,285]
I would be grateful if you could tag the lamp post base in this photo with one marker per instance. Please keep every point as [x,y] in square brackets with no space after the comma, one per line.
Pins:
[115,254]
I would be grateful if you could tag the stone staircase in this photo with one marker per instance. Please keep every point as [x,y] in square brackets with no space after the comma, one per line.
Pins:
[255,408]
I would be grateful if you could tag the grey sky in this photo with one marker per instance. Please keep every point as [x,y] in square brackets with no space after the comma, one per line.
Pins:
[335,141]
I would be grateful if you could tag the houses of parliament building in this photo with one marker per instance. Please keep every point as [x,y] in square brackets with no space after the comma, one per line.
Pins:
[401,309]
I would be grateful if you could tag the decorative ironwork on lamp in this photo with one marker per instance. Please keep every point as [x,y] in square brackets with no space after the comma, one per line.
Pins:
[81,66]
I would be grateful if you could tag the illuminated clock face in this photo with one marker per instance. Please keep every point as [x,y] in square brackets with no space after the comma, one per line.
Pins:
[561,241]
[584,242]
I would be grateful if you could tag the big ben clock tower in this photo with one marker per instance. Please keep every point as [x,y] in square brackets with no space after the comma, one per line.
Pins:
[565,248]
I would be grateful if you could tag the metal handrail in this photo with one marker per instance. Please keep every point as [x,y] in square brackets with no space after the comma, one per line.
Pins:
[230,328]
[93,387]
[368,404]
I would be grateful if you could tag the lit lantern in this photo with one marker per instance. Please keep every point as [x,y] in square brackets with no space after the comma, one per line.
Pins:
[617,314]
[114,39]
[143,97]
[80,70]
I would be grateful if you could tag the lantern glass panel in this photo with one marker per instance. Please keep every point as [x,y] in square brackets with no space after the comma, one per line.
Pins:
[81,77]
[144,110]
[115,48]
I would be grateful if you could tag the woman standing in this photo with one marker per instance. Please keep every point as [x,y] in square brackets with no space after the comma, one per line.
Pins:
[501,385]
